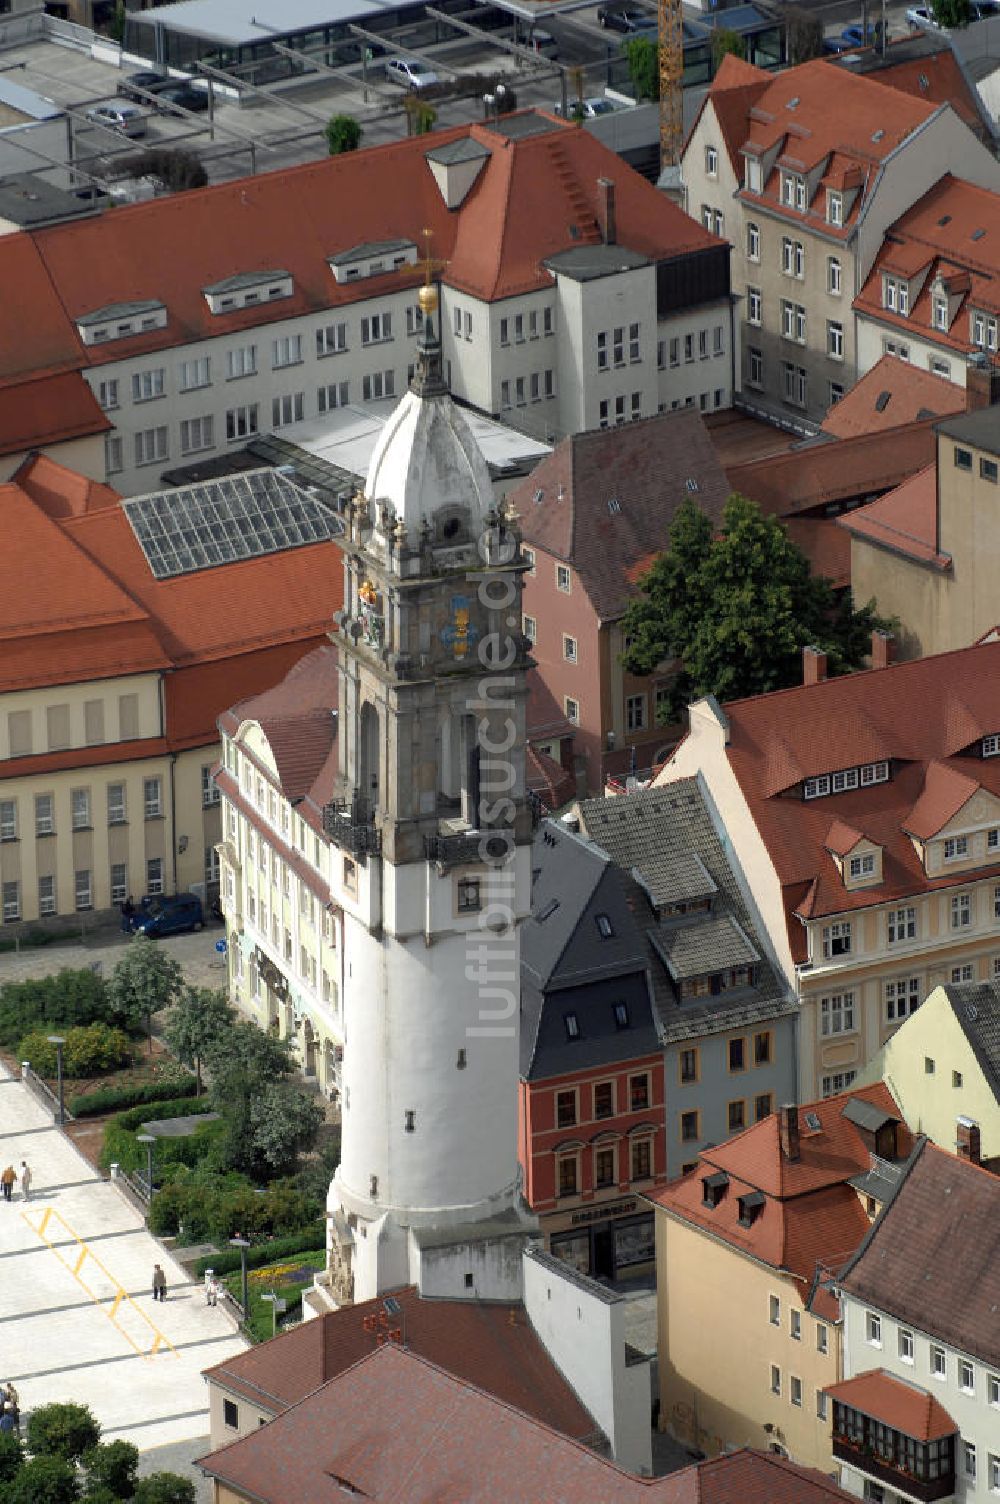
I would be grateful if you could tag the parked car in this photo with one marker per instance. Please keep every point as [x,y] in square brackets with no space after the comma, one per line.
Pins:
[179,96]
[542,42]
[135,85]
[586,109]
[851,38]
[124,118]
[627,19]
[410,73]
[921,16]
[160,914]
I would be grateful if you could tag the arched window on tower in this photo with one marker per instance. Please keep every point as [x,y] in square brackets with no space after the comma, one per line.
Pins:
[368,754]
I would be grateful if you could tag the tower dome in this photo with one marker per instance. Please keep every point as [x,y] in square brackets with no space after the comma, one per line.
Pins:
[427,460]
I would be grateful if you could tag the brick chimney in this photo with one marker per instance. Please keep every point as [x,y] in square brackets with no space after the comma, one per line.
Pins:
[788,1131]
[883,649]
[982,383]
[609,219]
[813,665]
[968,1144]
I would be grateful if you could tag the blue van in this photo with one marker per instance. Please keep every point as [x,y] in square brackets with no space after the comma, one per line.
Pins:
[159,915]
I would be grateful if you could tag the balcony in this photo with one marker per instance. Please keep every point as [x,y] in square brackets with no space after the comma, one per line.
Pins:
[896,1434]
[351,826]
[894,1475]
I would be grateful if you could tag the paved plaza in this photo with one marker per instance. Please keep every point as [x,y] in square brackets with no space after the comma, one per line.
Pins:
[77,1321]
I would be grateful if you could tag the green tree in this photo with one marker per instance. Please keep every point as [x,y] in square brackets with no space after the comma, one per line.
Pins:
[194,1023]
[343,133]
[44,1480]
[244,1064]
[164,1488]
[803,34]
[11,1456]
[736,609]
[145,980]
[112,1466]
[952,14]
[284,1123]
[63,1430]
[176,168]
[643,66]
[116,26]
[421,117]
[725,41]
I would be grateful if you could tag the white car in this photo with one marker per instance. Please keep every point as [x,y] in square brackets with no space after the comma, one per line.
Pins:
[920,16]
[123,118]
[410,73]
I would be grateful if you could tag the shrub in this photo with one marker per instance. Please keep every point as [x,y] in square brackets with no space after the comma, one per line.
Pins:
[215,1208]
[62,1430]
[343,133]
[44,1480]
[120,1146]
[88,1050]
[111,1466]
[117,1098]
[643,66]
[164,1488]
[228,1261]
[71,999]
[11,1455]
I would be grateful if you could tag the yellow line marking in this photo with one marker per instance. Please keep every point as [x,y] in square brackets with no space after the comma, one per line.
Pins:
[159,1341]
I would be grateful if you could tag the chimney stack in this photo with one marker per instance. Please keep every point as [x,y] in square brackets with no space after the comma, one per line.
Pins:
[788,1131]
[968,1145]
[883,649]
[982,383]
[609,222]
[813,665]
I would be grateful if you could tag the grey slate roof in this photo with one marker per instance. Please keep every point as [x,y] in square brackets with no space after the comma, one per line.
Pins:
[370,248]
[981,429]
[585,263]
[119,311]
[676,877]
[977,1008]
[244,279]
[644,833]
[867,1115]
[465,149]
[694,950]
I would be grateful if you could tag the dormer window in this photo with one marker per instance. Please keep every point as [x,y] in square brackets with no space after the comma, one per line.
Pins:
[844,779]
[751,1205]
[754,176]
[939,312]
[991,746]
[714,1188]
[956,848]
[984,331]
[834,208]
[121,321]
[862,866]
[896,295]
[372,259]
[246,289]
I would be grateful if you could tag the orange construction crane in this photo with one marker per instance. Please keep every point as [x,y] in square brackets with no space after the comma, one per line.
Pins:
[671,52]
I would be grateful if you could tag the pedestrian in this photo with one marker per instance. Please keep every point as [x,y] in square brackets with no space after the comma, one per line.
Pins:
[128,913]
[8,1420]
[25,1179]
[7,1181]
[212,1291]
[159,1283]
[11,1397]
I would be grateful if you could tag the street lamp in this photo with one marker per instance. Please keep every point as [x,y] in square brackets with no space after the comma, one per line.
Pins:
[243,1244]
[59,1041]
[149,1140]
[278,1305]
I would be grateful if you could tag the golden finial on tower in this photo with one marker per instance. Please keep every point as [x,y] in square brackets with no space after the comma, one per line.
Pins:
[427,297]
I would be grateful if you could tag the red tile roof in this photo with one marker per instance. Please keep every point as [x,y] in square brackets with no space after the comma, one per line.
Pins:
[536,195]
[492,1346]
[900,1406]
[50,410]
[815,474]
[812,1218]
[954,231]
[932,1260]
[945,792]
[396,1428]
[565,503]
[912,714]
[824,545]
[61,492]
[892,394]
[904,520]
[553,783]
[733,91]
[842,838]
[817,117]
[927,68]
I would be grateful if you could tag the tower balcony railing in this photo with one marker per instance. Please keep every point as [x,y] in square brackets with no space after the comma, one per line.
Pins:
[350,824]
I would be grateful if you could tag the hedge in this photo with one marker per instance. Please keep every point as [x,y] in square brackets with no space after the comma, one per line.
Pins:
[116,1098]
[120,1146]
[204,1208]
[228,1260]
[87,1051]
[71,999]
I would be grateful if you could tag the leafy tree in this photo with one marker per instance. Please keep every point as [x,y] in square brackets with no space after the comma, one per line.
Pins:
[44,1480]
[724,41]
[643,66]
[164,1488]
[737,609]
[199,1018]
[69,999]
[952,14]
[116,26]
[63,1430]
[343,133]
[11,1456]
[244,1063]
[804,34]
[284,1123]
[111,1466]
[421,117]
[100,1493]
[145,980]
[173,166]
